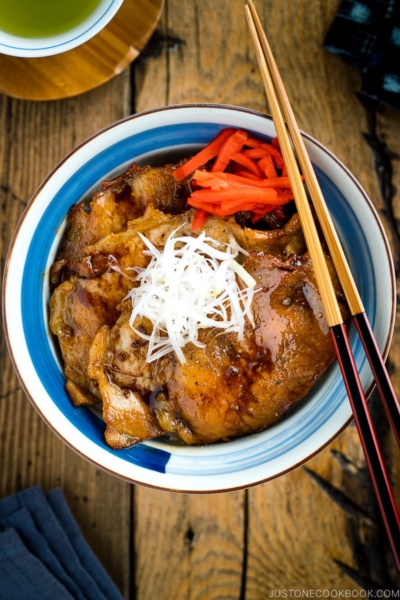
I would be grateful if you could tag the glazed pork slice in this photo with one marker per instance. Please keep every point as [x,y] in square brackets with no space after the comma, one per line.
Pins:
[280,242]
[126,352]
[233,388]
[78,308]
[126,412]
[125,249]
[119,201]
[86,301]
[81,305]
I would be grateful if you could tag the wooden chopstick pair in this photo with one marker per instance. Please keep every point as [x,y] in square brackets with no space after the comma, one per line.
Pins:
[289,136]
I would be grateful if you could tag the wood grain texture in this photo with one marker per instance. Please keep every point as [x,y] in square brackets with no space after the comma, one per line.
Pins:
[188,546]
[209,61]
[87,66]
[37,136]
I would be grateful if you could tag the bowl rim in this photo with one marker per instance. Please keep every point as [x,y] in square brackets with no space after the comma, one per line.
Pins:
[129,118]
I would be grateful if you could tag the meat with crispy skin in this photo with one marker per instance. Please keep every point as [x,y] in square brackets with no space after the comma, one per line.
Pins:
[124,198]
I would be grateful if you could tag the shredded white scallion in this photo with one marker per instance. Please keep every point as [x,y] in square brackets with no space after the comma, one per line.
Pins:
[190,285]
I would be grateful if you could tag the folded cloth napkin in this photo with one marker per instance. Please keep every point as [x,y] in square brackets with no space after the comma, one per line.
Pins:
[43,554]
[366,33]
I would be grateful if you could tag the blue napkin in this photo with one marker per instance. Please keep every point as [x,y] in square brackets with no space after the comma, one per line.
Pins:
[43,553]
[366,33]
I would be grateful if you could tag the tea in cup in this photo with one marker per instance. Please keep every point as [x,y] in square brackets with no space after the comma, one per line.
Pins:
[34,28]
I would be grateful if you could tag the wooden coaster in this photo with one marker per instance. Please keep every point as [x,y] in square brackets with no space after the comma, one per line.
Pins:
[89,65]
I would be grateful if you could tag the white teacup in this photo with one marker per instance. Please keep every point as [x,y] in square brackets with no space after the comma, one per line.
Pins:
[46,46]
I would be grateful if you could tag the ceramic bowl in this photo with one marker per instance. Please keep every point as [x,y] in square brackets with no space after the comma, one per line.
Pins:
[150,138]
[34,47]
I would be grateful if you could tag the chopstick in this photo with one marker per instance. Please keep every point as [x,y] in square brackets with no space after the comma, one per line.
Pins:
[274,90]
[381,376]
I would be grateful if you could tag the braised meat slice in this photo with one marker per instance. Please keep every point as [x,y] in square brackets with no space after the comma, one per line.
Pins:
[125,249]
[126,413]
[110,209]
[279,242]
[233,388]
[227,390]
[82,304]
[78,308]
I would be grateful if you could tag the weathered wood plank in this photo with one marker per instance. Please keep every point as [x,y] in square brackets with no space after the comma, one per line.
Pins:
[34,137]
[201,54]
[188,546]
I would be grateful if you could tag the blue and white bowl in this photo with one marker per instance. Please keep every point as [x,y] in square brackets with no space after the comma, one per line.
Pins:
[149,138]
[34,47]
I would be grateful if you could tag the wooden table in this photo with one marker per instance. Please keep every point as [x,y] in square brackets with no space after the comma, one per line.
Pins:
[316,528]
